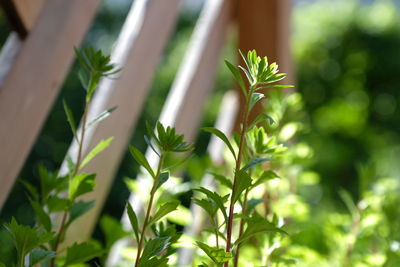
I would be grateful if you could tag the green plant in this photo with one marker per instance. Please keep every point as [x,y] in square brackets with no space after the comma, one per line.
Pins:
[254,148]
[155,251]
[60,194]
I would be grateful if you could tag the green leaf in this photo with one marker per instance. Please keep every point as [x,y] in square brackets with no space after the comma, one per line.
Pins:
[70,165]
[255,97]
[164,176]
[257,225]
[80,253]
[222,136]
[39,255]
[218,200]
[238,76]
[217,255]
[348,201]
[133,219]
[265,176]
[243,182]
[252,203]
[43,217]
[70,118]
[164,210]
[154,247]
[112,230]
[260,118]
[254,162]
[223,180]
[78,209]
[163,262]
[141,160]
[150,144]
[102,116]
[208,205]
[96,150]
[31,189]
[81,184]
[26,238]
[56,204]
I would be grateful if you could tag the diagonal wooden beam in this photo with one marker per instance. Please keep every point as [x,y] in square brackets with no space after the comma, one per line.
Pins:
[34,80]
[191,87]
[139,49]
[22,14]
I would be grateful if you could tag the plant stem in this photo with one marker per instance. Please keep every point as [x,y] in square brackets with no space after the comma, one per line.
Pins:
[237,168]
[147,217]
[75,172]
[241,228]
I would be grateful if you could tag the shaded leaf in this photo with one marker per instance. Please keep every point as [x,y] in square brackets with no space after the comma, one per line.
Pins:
[243,182]
[162,179]
[70,118]
[141,160]
[103,144]
[56,204]
[39,255]
[154,247]
[112,230]
[217,199]
[79,208]
[164,210]
[102,116]
[133,219]
[222,136]
[237,75]
[265,176]
[80,253]
[255,97]
[254,162]
[223,180]
[43,217]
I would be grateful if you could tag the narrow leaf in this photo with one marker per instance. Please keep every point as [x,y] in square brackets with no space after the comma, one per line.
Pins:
[237,75]
[223,180]
[265,176]
[255,97]
[255,161]
[141,160]
[222,136]
[217,199]
[96,150]
[70,118]
[43,217]
[78,209]
[133,219]
[81,184]
[162,179]
[80,253]
[102,116]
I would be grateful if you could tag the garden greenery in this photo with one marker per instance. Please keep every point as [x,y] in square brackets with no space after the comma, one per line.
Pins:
[260,211]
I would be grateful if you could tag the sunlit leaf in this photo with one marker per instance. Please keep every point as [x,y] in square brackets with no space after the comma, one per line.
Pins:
[141,160]
[254,162]
[222,136]
[81,184]
[103,144]
[164,210]
[133,219]
[243,182]
[102,116]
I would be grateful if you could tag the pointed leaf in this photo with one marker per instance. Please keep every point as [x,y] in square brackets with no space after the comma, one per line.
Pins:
[255,97]
[243,182]
[39,255]
[154,247]
[265,176]
[80,253]
[79,208]
[133,219]
[43,217]
[141,160]
[81,184]
[102,116]
[217,199]
[217,255]
[164,210]
[257,225]
[222,136]
[96,150]
[255,161]
[162,179]
[70,118]
[223,180]
[238,76]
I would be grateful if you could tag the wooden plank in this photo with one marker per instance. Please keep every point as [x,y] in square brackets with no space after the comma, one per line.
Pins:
[8,54]
[265,26]
[194,82]
[139,49]
[33,81]
[22,14]
[225,122]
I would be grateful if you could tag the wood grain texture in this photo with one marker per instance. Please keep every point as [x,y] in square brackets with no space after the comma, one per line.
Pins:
[33,81]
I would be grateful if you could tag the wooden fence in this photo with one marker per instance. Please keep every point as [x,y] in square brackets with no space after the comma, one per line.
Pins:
[46,32]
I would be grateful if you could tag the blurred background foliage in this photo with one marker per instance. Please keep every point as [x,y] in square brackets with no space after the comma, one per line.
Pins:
[347,58]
